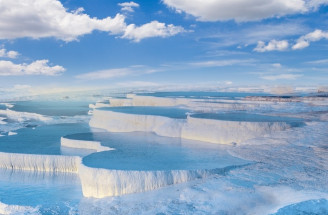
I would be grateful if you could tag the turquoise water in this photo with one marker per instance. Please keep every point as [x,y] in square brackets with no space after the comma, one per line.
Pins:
[310,207]
[201,95]
[248,117]
[52,193]
[53,108]
[41,134]
[44,139]
[147,151]
[177,113]
[3,107]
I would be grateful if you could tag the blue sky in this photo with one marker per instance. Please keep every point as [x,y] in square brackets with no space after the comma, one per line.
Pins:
[101,43]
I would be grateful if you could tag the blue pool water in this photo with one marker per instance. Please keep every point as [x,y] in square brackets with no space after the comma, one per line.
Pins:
[46,191]
[44,139]
[310,207]
[3,107]
[53,108]
[245,117]
[177,113]
[201,95]
[147,151]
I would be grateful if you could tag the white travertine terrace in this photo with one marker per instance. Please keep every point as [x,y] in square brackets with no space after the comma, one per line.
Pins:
[115,102]
[208,130]
[121,122]
[33,162]
[207,105]
[226,132]
[98,105]
[100,183]
[83,144]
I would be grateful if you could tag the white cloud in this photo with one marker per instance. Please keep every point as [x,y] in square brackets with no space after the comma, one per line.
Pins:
[249,35]
[12,54]
[228,82]
[8,54]
[21,86]
[152,29]
[128,6]
[38,67]
[115,73]
[268,31]
[273,45]
[305,40]
[282,77]
[219,63]
[105,74]
[276,65]
[137,84]
[301,44]
[242,10]
[315,4]
[324,61]
[48,18]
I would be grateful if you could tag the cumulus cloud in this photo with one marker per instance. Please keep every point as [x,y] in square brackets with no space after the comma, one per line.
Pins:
[273,45]
[8,54]
[117,72]
[152,29]
[38,67]
[128,6]
[315,4]
[48,18]
[242,10]
[282,77]
[12,54]
[314,36]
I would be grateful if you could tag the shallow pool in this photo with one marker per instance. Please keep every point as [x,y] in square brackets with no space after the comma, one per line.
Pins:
[247,117]
[177,113]
[48,192]
[147,151]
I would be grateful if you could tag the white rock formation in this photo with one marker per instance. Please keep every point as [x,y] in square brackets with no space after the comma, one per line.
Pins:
[117,102]
[97,182]
[206,105]
[121,122]
[100,183]
[33,162]
[24,116]
[226,132]
[84,144]
[208,130]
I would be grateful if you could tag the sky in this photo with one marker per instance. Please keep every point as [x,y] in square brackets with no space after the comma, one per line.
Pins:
[47,44]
